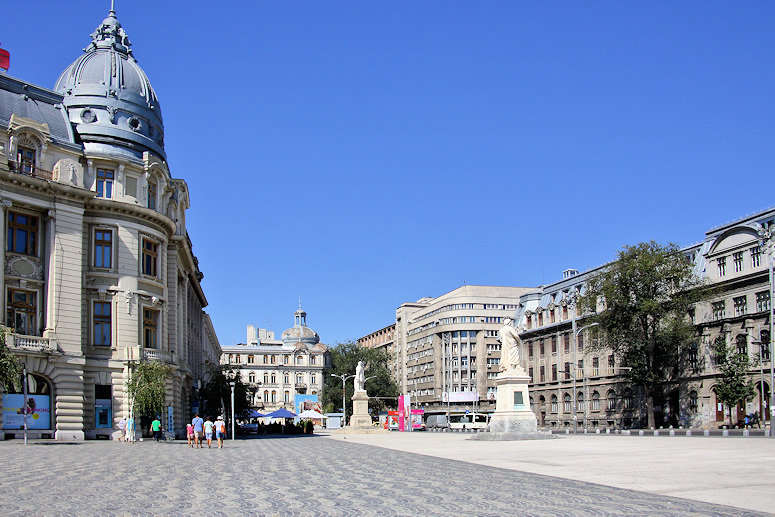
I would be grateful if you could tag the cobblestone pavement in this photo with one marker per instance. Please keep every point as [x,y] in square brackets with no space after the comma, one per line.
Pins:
[304,475]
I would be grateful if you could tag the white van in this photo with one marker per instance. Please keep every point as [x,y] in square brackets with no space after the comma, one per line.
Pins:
[468,421]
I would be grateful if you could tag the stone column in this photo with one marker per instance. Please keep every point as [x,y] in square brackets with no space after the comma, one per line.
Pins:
[69,392]
[50,274]
[5,204]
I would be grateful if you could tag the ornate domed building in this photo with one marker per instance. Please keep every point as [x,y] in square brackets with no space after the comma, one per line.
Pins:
[281,372]
[98,269]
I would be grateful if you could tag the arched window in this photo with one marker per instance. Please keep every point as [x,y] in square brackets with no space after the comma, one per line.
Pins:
[274,359]
[595,401]
[237,359]
[274,397]
[286,379]
[299,379]
[274,378]
[580,401]
[611,398]
[252,377]
[231,358]
[627,399]
[266,396]
[287,397]
[299,359]
[266,360]
[566,403]
[541,402]
[554,406]
[266,378]
[285,359]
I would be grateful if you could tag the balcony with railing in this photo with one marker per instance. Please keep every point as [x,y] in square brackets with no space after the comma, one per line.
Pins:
[32,343]
[29,169]
[149,354]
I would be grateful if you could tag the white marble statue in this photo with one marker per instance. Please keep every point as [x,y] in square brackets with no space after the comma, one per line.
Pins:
[360,377]
[510,344]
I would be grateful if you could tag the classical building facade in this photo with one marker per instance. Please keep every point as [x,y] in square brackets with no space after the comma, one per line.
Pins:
[98,268]
[277,370]
[447,349]
[733,258]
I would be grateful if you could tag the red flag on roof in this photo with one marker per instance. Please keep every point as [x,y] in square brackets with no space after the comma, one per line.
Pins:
[5,59]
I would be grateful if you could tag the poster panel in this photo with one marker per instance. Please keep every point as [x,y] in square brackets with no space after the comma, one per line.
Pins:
[39,411]
[302,403]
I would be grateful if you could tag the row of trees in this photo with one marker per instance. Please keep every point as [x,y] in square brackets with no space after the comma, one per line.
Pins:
[642,303]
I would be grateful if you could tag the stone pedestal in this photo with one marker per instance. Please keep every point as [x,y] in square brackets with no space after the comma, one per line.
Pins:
[360,417]
[512,407]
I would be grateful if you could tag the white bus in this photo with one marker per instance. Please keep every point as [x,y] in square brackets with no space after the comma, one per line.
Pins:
[468,420]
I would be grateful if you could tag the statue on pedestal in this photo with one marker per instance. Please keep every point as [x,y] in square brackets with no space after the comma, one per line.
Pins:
[360,377]
[510,347]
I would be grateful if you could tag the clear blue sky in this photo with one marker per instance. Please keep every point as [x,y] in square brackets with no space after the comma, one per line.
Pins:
[365,154]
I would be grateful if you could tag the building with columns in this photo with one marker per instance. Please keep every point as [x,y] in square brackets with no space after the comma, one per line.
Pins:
[735,259]
[276,370]
[98,268]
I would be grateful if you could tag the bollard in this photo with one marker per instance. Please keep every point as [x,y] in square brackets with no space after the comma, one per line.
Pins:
[597,431]
[672,432]
[607,431]
[725,432]
[688,432]
[746,432]
[567,431]
[641,433]
[706,433]
[656,433]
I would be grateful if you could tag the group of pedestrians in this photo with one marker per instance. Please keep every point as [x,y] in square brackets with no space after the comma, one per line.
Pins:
[199,428]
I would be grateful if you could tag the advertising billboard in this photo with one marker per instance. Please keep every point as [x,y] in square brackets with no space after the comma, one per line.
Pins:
[302,403]
[38,411]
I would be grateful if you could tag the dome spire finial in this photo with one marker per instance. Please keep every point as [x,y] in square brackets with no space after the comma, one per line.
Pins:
[110,34]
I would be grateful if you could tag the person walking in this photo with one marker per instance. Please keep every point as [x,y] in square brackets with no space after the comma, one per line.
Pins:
[198,424]
[121,429]
[156,428]
[220,431]
[208,432]
[190,434]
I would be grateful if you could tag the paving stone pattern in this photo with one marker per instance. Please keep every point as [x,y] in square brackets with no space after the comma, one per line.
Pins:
[303,475]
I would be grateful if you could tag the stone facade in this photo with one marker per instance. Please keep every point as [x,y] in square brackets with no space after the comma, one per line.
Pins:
[98,268]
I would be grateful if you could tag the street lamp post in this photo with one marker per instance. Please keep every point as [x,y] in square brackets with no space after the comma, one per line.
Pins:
[344,378]
[232,384]
[574,400]
[766,239]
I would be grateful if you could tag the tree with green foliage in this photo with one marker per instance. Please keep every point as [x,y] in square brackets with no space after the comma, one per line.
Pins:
[734,385]
[642,302]
[217,392]
[10,366]
[148,387]
[344,359]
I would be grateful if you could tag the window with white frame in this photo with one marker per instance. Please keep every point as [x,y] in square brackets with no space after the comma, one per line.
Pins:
[756,256]
[595,401]
[150,258]
[105,183]
[718,310]
[151,328]
[721,262]
[152,195]
[21,311]
[611,400]
[101,321]
[566,403]
[737,260]
[554,405]
[25,158]
[762,301]
[103,248]
[740,304]
[22,234]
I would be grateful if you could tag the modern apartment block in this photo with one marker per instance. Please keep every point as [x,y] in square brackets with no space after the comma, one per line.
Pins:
[448,346]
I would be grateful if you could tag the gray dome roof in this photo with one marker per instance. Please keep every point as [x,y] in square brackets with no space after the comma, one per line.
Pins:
[108,97]
[300,332]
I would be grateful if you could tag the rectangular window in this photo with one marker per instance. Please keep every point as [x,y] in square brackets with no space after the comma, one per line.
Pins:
[152,195]
[25,157]
[530,350]
[554,372]
[595,367]
[737,259]
[721,262]
[693,358]
[554,345]
[718,310]
[150,257]
[542,373]
[763,301]
[101,321]
[105,183]
[251,359]
[566,341]
[103,248]
[21,312]
[22,234]
[756,256]
[541,348]
[151,329]
[740,305]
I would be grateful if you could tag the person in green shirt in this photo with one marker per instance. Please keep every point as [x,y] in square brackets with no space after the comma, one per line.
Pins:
[156,429]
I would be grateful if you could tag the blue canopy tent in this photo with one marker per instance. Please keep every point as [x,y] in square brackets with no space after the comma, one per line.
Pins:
[281,413]
[255,414]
